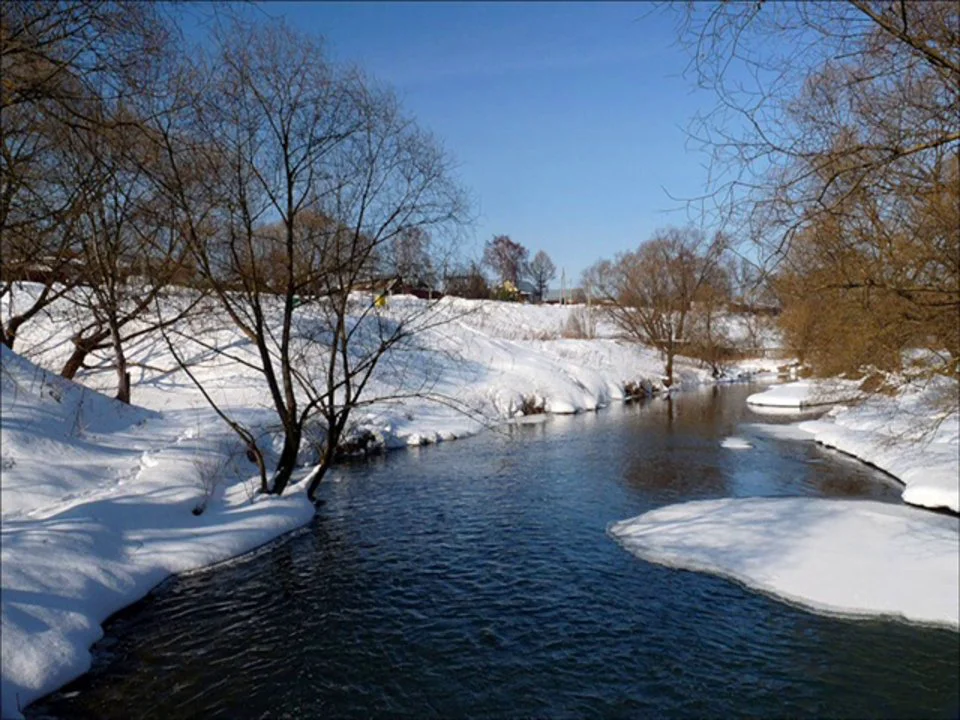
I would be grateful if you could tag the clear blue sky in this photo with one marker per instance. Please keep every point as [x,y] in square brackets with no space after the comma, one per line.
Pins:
[565,119]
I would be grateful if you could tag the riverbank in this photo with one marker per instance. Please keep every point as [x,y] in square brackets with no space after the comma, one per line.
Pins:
[99,499]
[914,435]
[837,556]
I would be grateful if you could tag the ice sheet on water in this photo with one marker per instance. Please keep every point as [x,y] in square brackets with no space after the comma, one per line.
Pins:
[735,443]
[837,556]
[806,393]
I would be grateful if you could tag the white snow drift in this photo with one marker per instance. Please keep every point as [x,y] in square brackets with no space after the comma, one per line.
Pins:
[913,436]
[838,556]
[806,393]
[97,505]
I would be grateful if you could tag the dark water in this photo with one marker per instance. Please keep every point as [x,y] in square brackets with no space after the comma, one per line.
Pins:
[475,579]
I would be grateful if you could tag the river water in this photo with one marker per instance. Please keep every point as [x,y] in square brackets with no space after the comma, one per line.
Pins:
[476,579]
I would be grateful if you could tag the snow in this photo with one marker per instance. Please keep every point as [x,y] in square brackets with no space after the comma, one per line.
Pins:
[913,436]
[792,431]
[846,557]
[735,443]
[806,393]
[98,497]
[97,501]
[836,556]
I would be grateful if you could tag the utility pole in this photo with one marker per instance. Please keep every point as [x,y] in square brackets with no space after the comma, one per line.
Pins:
[563,286]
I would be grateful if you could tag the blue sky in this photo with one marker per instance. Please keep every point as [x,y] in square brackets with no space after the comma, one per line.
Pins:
[565,119]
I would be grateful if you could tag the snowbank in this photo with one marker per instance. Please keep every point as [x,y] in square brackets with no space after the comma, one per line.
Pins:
[97,509]
[837,556]
[910,436]
[485,360]
[806,393]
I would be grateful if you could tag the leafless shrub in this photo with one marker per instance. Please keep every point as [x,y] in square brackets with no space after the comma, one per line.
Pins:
[213,467]
[532,405]
[634,390]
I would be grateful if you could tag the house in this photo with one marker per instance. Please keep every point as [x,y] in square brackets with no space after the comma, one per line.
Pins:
[527,291]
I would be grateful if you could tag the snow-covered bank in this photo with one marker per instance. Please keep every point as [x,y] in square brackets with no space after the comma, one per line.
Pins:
[486,360]
[806,393]
[838,556]
[910,436]
[97,497]
[97,509]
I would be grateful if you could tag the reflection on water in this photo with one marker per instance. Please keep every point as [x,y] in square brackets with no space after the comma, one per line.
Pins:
[476,579]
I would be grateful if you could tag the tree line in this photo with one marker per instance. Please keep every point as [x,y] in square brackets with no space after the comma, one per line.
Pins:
[834,149]
[504,272]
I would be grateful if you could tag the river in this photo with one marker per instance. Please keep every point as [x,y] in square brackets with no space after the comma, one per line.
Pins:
[475,579]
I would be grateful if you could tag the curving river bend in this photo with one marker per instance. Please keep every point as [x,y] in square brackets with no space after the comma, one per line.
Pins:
[476,579]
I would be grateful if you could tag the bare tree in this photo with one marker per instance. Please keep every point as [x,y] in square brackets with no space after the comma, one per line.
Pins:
[408,258]
[508,259]
[64,65]
[326,172]
[754,300]
[79,216]
[650,293]
[708,333]
[837,128]
[130,250]
[542,271]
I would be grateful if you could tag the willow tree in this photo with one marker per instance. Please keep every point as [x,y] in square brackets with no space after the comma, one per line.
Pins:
[650,294]
[834,144]
[316,172]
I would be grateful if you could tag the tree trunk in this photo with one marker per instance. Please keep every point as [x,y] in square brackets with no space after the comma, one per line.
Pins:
[75,361]
[14,323]
[669,382]
[329,453]
[10,331]
[288,460]
[325,463]
[81,348]
[123,377]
